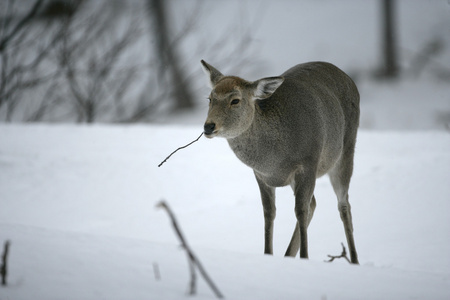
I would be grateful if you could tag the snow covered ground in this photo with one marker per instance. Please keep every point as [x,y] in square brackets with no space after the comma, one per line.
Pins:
[78,204]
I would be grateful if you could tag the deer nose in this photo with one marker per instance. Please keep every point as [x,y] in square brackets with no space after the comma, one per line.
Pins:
[209,128]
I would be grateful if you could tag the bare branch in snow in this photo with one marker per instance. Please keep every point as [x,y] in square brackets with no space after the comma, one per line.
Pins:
[193,260]
[4,265]
[156,271]
[343,255]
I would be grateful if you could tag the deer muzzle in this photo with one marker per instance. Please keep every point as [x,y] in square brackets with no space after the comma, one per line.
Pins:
[209,129]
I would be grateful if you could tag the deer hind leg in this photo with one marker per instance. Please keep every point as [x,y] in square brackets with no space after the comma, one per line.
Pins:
[294,245]
[340,179]
[268,202]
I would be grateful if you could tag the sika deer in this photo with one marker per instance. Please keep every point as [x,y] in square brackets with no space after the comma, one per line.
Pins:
[290,130]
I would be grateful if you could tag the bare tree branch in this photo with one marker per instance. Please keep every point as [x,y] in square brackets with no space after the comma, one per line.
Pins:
[25,51]
[94,76]
[21,24]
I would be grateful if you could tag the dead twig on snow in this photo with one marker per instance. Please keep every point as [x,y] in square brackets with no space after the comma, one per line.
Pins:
[3,267]
[343,255]
[192,259]
[156,271]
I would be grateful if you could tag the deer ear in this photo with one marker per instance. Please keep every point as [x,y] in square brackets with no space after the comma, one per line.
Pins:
[213,74]
[264,88]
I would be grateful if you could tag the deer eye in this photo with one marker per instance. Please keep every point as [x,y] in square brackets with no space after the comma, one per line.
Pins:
[234,101]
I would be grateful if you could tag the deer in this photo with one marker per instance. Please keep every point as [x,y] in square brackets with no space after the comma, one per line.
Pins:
[290,129]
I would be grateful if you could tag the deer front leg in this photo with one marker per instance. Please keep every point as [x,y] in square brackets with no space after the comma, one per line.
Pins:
[294,245]
[303,190]
[268,202]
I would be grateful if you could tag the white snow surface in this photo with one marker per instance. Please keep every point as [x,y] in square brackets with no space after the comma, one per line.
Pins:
[78,205]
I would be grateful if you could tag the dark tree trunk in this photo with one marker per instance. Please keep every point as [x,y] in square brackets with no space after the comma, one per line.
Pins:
[390,68]
[167,56]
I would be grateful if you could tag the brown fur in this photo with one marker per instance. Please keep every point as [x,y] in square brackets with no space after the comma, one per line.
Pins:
[227,84]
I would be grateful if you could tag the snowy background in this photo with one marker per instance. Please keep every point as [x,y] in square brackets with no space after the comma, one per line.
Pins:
[78,202]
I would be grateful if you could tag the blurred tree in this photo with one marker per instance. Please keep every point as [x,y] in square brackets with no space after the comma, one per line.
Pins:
[389,67]
[89,61]
[168,60]
[64,56]
[9,32]
[91,58]
[24,48]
